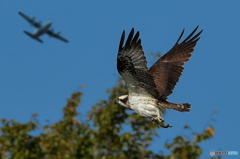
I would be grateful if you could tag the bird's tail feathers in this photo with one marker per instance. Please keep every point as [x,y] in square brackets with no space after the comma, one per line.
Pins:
[183,107]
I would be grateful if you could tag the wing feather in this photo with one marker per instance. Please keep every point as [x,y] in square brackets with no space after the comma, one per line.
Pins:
[167,70]
[132,65]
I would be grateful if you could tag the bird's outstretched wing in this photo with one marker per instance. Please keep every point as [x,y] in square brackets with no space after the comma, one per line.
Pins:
[132,65]
[167,70]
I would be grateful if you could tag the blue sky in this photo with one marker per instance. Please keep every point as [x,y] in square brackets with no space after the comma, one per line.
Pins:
[38,78]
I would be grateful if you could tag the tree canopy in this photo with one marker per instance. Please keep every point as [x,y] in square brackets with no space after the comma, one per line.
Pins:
[109,132]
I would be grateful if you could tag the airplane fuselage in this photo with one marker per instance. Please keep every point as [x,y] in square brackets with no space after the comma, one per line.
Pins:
[43,29]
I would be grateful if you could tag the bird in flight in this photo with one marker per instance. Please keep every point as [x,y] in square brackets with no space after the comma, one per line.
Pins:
[148,88]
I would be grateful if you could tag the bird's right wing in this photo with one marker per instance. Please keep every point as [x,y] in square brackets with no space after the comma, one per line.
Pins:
[132,65]
[30,20]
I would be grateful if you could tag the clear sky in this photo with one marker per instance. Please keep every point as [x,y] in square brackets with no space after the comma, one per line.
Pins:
[38,78]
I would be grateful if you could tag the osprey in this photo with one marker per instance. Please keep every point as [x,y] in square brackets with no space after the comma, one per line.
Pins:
[148,89]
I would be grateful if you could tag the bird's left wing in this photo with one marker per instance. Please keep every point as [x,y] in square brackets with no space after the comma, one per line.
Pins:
[167,70]
[132,65]
[56,35]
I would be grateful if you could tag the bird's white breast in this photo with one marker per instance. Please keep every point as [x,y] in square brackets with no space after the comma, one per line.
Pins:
[145,105]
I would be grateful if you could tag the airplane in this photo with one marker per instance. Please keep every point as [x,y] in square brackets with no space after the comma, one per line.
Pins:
[41,29]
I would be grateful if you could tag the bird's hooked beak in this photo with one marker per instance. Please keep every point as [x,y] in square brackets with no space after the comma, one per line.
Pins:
[123,101]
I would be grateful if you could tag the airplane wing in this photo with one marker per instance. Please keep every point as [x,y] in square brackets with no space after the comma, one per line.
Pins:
[33,37]
[57,36]
[30,20]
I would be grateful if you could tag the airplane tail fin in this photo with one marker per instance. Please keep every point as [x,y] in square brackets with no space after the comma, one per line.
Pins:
[32,36]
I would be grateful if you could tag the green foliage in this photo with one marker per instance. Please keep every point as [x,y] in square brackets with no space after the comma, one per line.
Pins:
[183,148]
[110,132]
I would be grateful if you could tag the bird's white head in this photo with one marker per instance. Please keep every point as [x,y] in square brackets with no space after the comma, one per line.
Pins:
[123,101]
